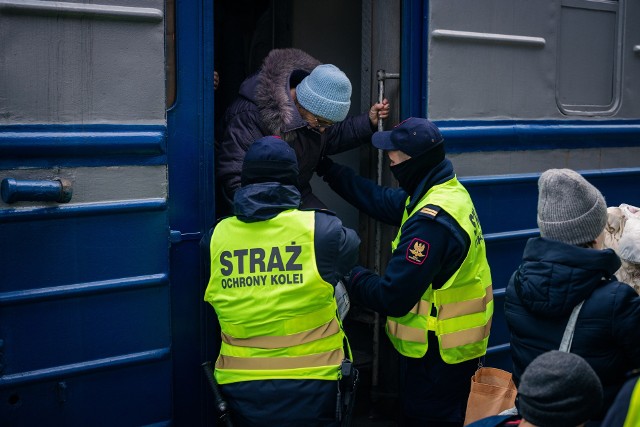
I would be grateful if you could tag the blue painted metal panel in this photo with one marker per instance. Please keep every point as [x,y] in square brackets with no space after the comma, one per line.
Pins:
[84,315]
[85,302]
[82,145]
[617,185]
[84,247]
[508,203]
[97,398]
[94,335]
[413,58]
[496,196]
[490,135]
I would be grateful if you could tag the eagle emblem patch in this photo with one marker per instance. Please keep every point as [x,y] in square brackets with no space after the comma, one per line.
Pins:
[417,251]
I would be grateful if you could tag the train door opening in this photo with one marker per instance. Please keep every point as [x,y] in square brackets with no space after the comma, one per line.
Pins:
[360,39]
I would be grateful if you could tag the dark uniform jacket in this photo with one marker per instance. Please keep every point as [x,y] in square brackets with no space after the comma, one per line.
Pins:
[433,391]
[264,107]
[395,293]
[551,280]
[290,402]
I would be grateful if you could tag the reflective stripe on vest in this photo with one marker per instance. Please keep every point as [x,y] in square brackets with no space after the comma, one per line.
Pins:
[464,304]
[450,338]
[304,337]
[278,317]
[633,415]
[279,363]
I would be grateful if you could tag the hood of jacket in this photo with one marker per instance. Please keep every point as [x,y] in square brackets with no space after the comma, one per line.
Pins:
[262,201]
[270,90]
[554,276]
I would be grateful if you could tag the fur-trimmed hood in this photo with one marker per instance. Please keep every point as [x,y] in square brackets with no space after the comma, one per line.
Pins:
[278,113]
[265,107]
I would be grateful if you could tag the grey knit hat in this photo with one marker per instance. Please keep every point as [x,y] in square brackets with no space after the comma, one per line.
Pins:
[559,389]
[570,209]
[325,93]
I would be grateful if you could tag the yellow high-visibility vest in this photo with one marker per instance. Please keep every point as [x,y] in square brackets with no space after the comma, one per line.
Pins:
[633,415]
[464,305]
[278,317]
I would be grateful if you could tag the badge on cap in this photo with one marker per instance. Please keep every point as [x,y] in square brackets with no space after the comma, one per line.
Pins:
[417,251]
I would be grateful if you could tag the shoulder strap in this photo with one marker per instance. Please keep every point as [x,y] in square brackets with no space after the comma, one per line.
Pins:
[429,211]
[567,338]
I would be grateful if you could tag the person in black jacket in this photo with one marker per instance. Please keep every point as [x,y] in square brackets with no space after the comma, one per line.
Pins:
[302,101]
[274,268]
[439,249]
[561,269]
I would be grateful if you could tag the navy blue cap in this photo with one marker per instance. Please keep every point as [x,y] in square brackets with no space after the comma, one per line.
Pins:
[413,137]
[269,159]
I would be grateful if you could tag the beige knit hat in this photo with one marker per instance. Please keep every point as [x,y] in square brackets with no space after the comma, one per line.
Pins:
[570,209]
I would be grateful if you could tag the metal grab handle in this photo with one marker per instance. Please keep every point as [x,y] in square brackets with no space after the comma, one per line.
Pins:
[382,76]
[56,190]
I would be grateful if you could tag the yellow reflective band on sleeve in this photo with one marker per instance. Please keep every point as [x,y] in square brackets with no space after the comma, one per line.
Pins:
[633,415]
[323,331]
[457,309]
[406,333]
[334,357]
[284,327]
[467,336]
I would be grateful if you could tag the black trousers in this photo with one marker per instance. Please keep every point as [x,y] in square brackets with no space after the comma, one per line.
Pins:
[434,393]
[282,403]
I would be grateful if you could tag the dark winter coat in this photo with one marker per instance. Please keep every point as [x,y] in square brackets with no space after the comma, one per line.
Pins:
[291,402]
[265,107]
[551,280]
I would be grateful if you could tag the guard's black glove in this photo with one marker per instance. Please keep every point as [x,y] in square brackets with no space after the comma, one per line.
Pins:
[323,166]
[352,277]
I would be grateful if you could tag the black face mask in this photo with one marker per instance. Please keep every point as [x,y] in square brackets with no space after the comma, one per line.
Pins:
[410,172]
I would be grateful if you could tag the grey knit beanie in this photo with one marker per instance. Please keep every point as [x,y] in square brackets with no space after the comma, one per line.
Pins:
[570,209]
[325,93]
[559,389]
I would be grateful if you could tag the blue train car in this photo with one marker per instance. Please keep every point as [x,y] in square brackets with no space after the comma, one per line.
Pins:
[105,191]
[107,120]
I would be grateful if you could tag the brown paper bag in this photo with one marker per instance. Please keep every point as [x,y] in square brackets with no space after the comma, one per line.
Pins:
[492,391]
